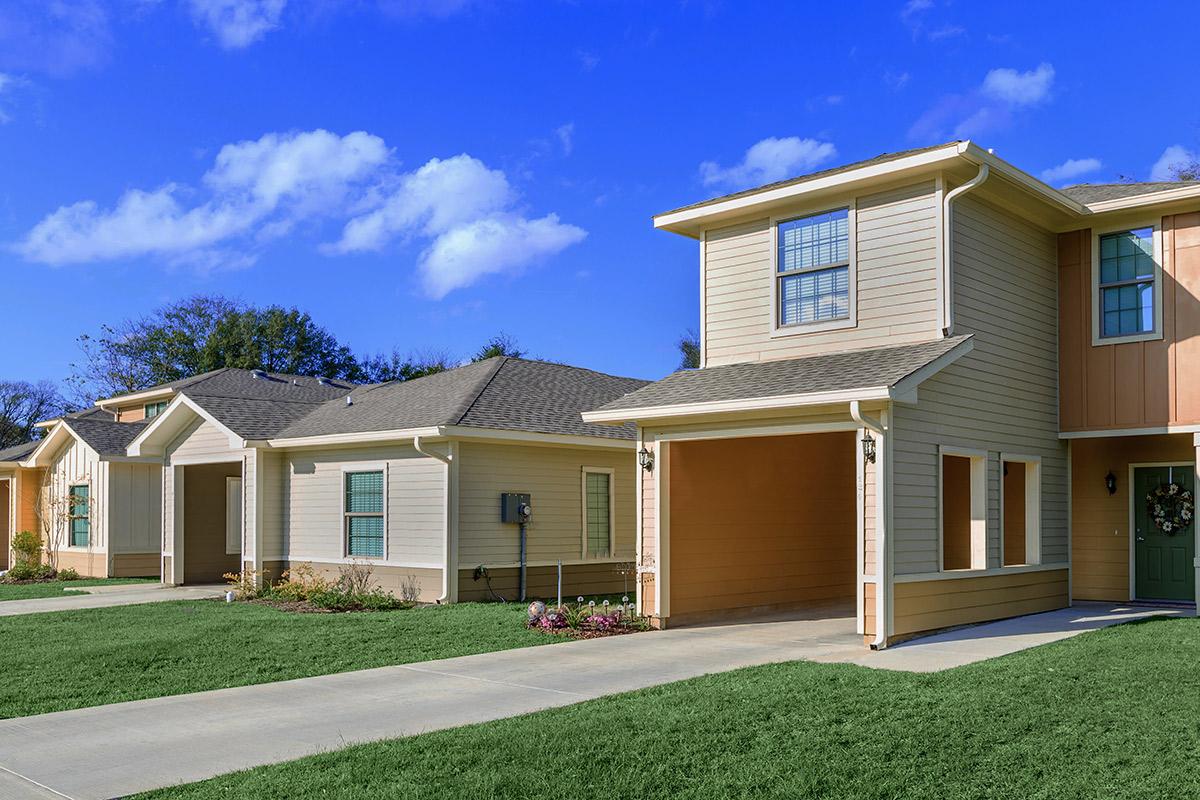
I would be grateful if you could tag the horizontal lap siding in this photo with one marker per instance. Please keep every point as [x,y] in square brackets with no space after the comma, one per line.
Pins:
[553,476]
[896,271]
[312,484]
[999,398]
[647,558]
[202,440]
[930,605]
[586,580]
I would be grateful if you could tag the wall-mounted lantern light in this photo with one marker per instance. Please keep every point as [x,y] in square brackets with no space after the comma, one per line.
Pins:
[868,443]
[1110,482]
[646,459]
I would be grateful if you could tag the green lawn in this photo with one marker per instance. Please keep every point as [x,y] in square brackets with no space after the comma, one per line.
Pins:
[28,591]
[1110,714]
[70,659]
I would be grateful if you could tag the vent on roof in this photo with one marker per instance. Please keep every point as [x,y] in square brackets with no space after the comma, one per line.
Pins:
[324,381]
[349,400]
[258,373]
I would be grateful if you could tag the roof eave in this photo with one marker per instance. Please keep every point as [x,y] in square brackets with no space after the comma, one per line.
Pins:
[1182,194]
[778,402]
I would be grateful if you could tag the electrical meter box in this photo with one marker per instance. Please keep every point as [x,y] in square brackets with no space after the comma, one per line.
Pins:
[515,507]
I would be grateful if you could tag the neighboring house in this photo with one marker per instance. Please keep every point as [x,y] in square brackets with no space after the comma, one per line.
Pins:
[265,472]
[17,511]
[933,390]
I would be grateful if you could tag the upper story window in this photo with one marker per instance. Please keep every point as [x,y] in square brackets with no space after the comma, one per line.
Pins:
[812,266]
[1127,286]
[154,409]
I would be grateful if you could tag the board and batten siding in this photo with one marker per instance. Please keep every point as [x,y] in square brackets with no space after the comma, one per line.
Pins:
[553,476]
[312,527]
[896,241]
[1001,397]
[76,463]
[135,500]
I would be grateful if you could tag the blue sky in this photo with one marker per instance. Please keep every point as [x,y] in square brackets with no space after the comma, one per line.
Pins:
[424,174]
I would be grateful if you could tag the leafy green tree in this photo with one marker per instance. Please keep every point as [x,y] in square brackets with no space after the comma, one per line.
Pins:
[381,368]
[499,345]
[277,340]
[23,405]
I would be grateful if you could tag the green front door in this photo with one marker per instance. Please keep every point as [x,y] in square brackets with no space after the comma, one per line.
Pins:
[1163,563]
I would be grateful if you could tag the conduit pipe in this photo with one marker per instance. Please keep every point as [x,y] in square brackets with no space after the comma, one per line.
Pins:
[947,251]
[446,565]
[882,562]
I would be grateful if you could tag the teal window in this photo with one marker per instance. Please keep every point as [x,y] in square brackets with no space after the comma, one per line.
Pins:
[81,517]
[598,512]
[154,409]
[364,514]
[813,266]
[1127,284]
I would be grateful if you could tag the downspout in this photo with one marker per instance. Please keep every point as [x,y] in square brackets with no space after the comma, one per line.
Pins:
[446,566]
[947,251]
[881,531]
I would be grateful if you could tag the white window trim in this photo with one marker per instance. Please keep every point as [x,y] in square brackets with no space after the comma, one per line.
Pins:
[69,544]
[979,460]
[1157,333]
[1033,508]
[799,329]
[146,408]
[612,528]
[367,466]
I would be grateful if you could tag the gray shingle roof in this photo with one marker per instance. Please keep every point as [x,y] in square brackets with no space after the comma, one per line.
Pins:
[18,451]
[106,437]
[1088,193]
[812,176]
[499,393]
[831,372]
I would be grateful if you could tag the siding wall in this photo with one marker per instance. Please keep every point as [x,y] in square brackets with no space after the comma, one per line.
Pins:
[929,605]
[311,486]
[74,464]
[1137,384]
[646,559]
[202,441]
[999,398]
[896,245]
[554,478]
[135,502]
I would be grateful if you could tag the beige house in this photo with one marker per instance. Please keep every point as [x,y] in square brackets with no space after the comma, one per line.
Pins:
[264,472]
[934,390]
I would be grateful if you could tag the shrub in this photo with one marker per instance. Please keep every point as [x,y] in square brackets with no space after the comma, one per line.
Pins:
[27,547]
[68,574]
[246,584]
[24,571]
[410,589]
[583,618]
[300,583]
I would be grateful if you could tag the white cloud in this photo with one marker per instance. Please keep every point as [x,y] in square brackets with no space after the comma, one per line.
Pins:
[769,160]
[259,186]
[466,210]
[1070,169]
[566,137]
[238,23]
[1019,88]
[1173,157]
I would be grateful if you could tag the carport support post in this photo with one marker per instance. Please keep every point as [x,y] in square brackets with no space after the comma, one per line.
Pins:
[883,530]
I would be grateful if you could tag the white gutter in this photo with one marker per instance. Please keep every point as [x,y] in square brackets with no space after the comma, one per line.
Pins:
[882,563]
[446,529]
[947,320]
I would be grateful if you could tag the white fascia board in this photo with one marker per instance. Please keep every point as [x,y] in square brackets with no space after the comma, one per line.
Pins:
[52,441]
[144,444]
[149,394]
[531,437]
[365,437]
[1153,198]
[978,155]
[903,387]
[1119,432]
[749,404]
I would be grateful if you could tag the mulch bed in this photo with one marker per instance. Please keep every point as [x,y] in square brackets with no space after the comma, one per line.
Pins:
[305,607]
[569,633]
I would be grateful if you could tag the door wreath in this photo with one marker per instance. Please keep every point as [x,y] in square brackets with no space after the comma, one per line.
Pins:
[1170,507]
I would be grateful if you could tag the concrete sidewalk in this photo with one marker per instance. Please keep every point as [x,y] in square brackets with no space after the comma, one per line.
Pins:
[107,597]
[129,747]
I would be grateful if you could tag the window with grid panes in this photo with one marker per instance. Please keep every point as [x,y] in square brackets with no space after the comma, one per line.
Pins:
[1127,283]
[813,268]
[599,516]
[364,514]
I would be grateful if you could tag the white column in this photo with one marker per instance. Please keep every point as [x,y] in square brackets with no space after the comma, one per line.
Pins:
[662,558]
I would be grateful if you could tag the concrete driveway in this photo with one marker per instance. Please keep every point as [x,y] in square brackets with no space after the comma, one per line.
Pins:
[108,596]
[129,747]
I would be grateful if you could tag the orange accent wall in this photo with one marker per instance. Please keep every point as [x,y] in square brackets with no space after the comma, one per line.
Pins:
[1100,521]
[131,414]
[956,512]
[1012,478]
[762,522]
[1137,384]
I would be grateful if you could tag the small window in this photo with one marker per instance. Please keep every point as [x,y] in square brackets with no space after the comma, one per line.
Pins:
[364,514]
[1020,510]
[1127,283]
[597,491]
[963,500]
[81,517]
[154,409]
[813,268]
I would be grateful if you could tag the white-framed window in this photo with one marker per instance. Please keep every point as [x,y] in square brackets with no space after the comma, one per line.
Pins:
[152,410]
[598,502]
[962,508]
[1127,284]
[364,511]
[1020,510]
[80,505]
[814,271]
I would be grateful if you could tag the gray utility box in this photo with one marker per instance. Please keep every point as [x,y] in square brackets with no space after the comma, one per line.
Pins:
[515,507]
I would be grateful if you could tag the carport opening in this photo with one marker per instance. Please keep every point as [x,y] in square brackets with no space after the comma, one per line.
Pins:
[763,524]
[212,521]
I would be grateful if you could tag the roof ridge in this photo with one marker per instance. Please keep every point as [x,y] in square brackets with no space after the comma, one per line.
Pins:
[465,409]
[574,367]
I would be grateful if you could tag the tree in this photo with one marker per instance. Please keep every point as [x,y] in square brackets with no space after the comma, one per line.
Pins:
[499,345]
[276,339]
[382,368]
[22,405]
[1186,171]
[689,350]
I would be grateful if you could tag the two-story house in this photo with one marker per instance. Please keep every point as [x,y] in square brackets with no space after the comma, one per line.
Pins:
[933,391]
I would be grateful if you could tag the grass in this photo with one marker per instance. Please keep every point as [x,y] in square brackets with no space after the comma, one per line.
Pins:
[71,659]
[29,591]
[1112,714]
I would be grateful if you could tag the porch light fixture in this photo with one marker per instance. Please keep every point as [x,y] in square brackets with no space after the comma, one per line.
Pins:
[868,443]
[1110,482]
[646,459]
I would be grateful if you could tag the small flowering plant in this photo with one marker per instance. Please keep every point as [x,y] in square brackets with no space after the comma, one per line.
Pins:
[586,619]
